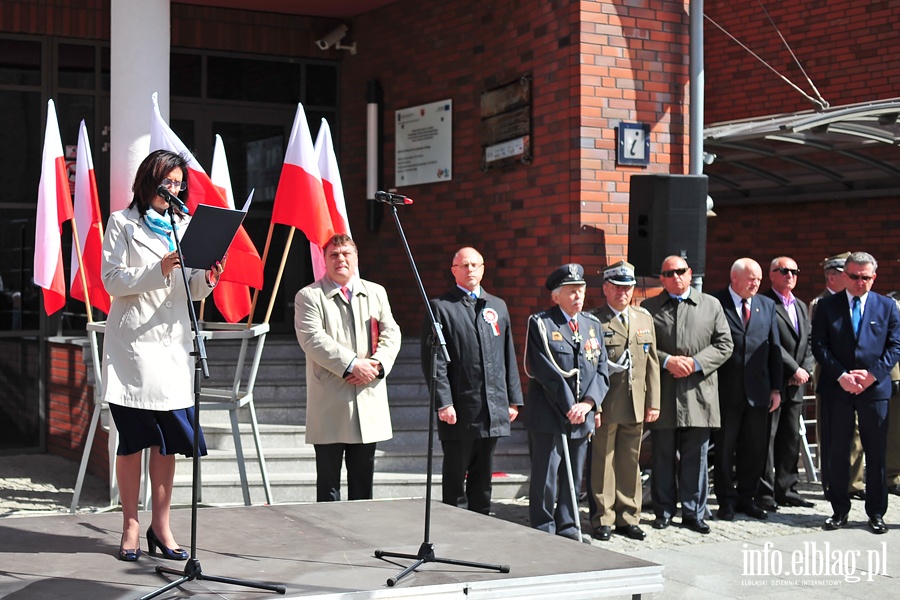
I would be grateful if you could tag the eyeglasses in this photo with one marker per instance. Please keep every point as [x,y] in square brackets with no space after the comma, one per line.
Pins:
[786,271]
[176,185]
[855,277]
[472,266]
[674,272]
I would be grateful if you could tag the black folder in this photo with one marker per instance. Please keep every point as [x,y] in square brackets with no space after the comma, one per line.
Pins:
[209,235]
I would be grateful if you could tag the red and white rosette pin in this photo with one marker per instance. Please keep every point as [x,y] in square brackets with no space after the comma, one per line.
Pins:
[491,317]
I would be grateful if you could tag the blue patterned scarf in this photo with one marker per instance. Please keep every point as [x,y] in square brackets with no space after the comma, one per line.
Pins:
[161,226]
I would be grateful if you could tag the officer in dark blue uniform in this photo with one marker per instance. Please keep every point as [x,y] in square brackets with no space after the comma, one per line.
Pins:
[566,360]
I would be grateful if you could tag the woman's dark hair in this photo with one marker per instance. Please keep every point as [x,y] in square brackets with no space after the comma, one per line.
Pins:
[150,175]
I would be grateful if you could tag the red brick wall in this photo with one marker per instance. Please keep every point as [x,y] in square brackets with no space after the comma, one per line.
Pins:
[70,406]
[848,48]
[808,233]
[592,64]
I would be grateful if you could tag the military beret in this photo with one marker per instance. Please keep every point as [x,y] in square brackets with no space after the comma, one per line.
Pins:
[836,262]
[620,273]
[570,274]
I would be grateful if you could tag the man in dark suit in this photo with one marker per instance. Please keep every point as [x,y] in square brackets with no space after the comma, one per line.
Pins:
[478,391]
[835,283]
[856,339]
[565,357]
[749,388]
[792,317]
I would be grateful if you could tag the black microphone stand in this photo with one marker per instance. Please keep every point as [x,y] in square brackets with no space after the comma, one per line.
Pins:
[192,569]
[426,550]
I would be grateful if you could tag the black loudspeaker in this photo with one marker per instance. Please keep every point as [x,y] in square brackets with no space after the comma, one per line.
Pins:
[666,216]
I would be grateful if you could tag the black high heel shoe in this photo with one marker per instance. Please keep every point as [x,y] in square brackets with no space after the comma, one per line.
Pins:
[171,554]
[128,554]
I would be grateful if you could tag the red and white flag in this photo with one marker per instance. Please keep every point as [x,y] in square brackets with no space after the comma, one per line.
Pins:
[300,198]
[54,207]
[244,267]
[89,226]
[219,173]
[334,194]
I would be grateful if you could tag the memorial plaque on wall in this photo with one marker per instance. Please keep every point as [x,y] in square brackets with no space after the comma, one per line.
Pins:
[506,124]
[424,144]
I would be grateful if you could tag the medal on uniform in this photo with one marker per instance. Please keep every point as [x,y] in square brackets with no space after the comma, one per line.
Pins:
[576,337]
[491,317]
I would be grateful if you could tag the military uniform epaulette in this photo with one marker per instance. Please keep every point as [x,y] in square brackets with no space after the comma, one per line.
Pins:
[541,315]
[641,309]
[590,316]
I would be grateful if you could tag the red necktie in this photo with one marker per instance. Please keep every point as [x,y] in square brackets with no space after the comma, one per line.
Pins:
[573,325]
[347,293]
[745,309]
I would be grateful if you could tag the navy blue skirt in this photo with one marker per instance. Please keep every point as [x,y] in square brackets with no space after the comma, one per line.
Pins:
[171,430]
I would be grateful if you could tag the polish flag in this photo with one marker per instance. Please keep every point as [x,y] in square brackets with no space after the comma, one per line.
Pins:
[334,194]
[300,198]
[54,207]
[219,173]
[89,227]
[244,267]
[232,299]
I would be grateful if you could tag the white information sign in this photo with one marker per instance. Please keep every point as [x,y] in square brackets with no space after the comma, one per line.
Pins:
[424,143]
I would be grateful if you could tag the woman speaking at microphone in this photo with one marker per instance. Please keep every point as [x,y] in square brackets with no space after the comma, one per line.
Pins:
[147,367]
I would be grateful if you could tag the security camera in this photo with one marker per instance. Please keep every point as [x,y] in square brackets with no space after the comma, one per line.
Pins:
[333,39]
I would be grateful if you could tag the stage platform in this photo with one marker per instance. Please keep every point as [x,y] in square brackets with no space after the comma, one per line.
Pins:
[318,552]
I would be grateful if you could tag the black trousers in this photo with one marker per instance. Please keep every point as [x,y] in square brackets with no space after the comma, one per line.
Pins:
[360,459]
[740,456]
[467,471]
[781,473]
[873,431]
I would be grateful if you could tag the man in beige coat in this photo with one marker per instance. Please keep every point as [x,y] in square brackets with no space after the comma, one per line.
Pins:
[345,327]
[693,340]
[632,399]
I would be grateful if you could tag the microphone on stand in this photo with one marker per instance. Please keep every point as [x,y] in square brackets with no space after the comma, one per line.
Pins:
[391,198]
[173,200]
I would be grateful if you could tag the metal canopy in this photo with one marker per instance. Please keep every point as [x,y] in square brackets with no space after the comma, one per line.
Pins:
[843,152]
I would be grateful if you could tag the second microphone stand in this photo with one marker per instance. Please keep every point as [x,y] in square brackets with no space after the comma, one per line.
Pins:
[192,569]
[426,549]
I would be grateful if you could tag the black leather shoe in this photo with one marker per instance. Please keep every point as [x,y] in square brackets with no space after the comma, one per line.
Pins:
[858,495]
[835,521]
[698,525]
[876,524]
[631,531]
[894,489]
[795,501]
[661,522]
[752,510]
[170,553]
[603,533]
[768,503]
[725,513]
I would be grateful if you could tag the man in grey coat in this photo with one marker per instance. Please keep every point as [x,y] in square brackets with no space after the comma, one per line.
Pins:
[692,341]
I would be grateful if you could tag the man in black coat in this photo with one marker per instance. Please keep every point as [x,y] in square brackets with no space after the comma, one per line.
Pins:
[792,317]
[856,340]
[749,388]
[478,392]
[566,360]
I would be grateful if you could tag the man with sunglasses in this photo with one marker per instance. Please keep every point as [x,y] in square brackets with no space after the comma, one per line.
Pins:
[792,317]
[833,268]
[856,339]
[692,342]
